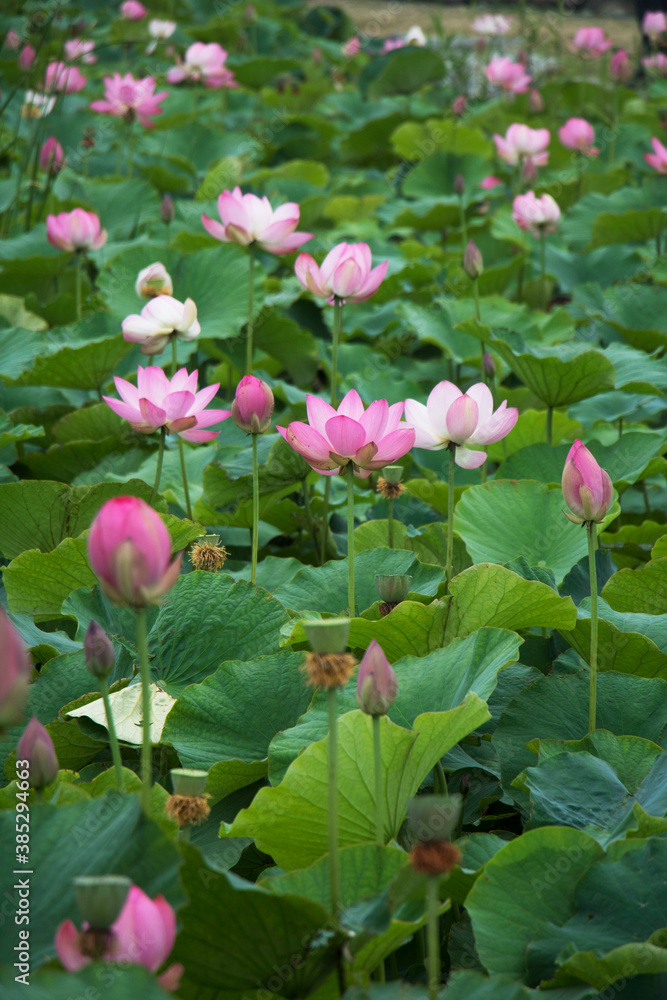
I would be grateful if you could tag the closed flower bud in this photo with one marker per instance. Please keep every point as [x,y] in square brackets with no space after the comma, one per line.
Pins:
[377,686]
[459,185]
[253,404]
[535,101]
[15,672]
[587,488]
[488,366]
[167,210]
[473,263]
[51,156]
[459,106]
[98,651]
[36,746]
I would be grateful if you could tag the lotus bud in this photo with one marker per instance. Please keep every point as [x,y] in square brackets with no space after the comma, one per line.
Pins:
[459,106]
[620,68]
[473,263]
[51,156]
[587,488]
[26,57]
[36,746]
[528,171]
[154,280]
[377,686]
[488,366]
[253,405]
[13,39]
[167,210]
[459,185]
[101,898]
[15,673]
[392,588]
[535,101]
[98,651]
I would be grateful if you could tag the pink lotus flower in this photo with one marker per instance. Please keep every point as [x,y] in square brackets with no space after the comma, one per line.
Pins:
[657,63]
[333,438]
[253,404]
[620,68]
[351,48]
[587,488]
[75,230]
[490,182]
[161,319]
[247,219]
[592,42]
[13,39]
[77,50]
[132,10]
[654,23]
[578,134]
[143,934]
[462,419]
[377,685]
[26,58]
[51,156]
[539,216]
[64,79]
[658,158]
[15,673]
[154,280]
[521,142]
[175,404]
[128,98]
[36,746]
[205,63]
[129,549]
[492,24]
[391,44]
[508,75]
[346,273]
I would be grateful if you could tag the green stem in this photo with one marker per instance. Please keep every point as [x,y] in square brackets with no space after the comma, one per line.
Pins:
[450,514]
[350,539]
[255,509]
[249,333]
[379,783]
[174,355]
[464,223]
[160,456]
[614,120]
[337,330]
[592,530]
[543,268]
[484,471]
[442,781]
[78,284]
[475,290]
[146,745]
[432,937]
[334,877]
[130,144]
[390,521]
[184,476]
[550,424]
[111,729]
[325,519]
[309,513]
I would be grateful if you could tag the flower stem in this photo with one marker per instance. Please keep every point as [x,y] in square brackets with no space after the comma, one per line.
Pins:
[379,784]
[334,876]
[113,739]
[174,355]
[350,539]
[325,519]
[309,513]
[251,280]
[146,744]
[592,529]
[337,330]
[432,937]
[184,476]
[255,509]
[78,284]
[390,521]
[550,423]
[450,514]
[464,222]
[160,456]
[543,269]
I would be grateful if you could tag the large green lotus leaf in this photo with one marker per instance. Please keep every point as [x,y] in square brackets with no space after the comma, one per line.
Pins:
[235,713]
[630,756]
[65,462]
[528,883]
[637,371]
[634,226]
[235,935]
[556,707]
[410,139]
[120,982]
[403,71]
[107,834]
[436,682]
[324,588]
[628,643]
[642,590]
[489,594]
[11,434]
[122,205]
[90,423]
[636,311]
[560,374]
[293,346]
[259,71]
[290,821]
[208,619]
[637,960]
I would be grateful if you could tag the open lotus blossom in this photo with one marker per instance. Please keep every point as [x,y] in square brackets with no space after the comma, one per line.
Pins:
[658,158]
[654,23]
[15,673]
[657,63]
[157,401]
[331,439]
[143,934]
[26,57]
[508,75]
[521,143]
[463,419]
[154,280]
[161,319]
[247,219]
[132,10]
[75,230]
[620,67]
[587,488]
[64,79]
[125,97]
[539,216]
[592,42]
[205,63]
[492,24]
[36,105]
[346,273]
[578,134]
[51,156]
[78,50]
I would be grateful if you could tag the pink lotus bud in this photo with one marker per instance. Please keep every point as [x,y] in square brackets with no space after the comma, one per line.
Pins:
[460,106]
[167,210]
[658,158]
[26,58]
[473,263]
[620,67]
[51,156]
[488,366]
[132,10]
[153,280]
[459,185]
[490,182]
[535,101]
[98,651]
[253,405]
[36,746]
[15,672]
[377,686]
[129,550]
[578,134]
[587,488]
[13,39]
[654,23]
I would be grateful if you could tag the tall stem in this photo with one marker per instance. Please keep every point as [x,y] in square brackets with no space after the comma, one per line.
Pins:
[249,333]
[464,223]
[325,519]
[160,456]
[550,424]
[350,539]
[334,876]
[337,330]
[111,729]
[255,509]
[184,476]
[309,513]
[432,937]
[390,521]
[174,355]
[78,283]
[379,783]
[591,528]
[543,268]
[450,514]
[146,744]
